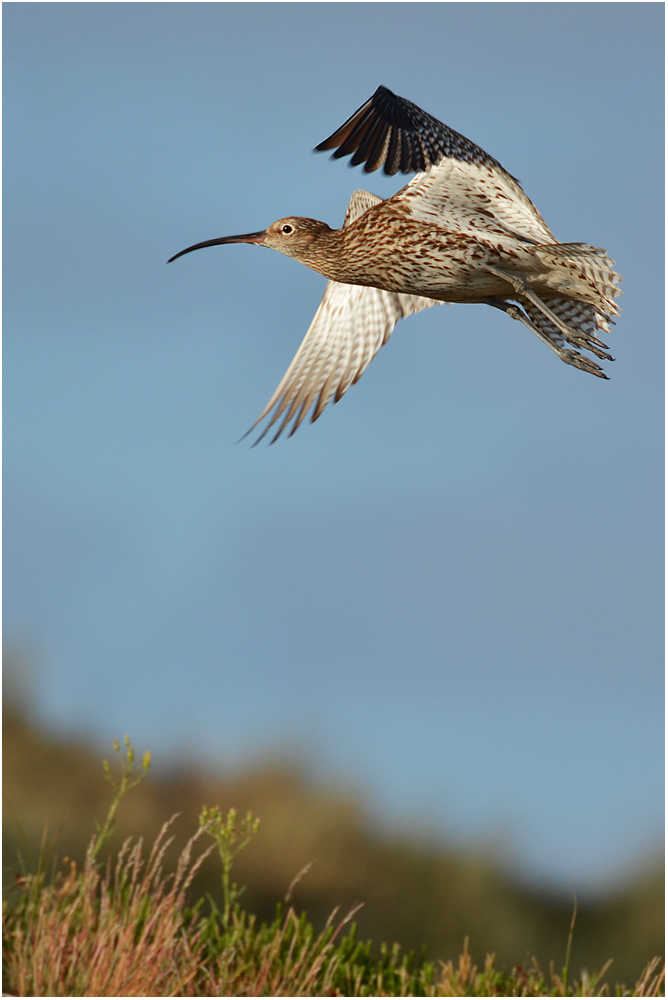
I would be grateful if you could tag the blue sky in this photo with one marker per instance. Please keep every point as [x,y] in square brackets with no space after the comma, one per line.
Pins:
[448,592]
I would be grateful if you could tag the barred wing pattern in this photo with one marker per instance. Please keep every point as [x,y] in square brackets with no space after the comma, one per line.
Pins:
[474,199]
[351,325]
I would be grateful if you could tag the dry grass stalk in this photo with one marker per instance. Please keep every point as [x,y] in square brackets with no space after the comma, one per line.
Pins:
[120,934]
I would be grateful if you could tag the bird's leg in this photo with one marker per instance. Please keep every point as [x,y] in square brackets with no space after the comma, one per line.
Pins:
[573,337]
[556,343]
[524,290]
[514,311]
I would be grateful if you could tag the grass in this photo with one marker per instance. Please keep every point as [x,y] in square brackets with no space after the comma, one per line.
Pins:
[125,928]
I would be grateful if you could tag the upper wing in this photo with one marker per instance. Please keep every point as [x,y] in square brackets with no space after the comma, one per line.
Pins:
[392,131]
[474,198]
[458,183]
[352,323]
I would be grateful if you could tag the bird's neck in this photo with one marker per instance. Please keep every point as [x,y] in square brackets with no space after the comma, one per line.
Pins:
[329,254]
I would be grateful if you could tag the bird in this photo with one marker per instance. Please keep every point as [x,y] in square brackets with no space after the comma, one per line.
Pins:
[462,230]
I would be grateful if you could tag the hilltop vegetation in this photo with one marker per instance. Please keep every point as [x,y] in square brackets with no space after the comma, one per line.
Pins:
[413,894]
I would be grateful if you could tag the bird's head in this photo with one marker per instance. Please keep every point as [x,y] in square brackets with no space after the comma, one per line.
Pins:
[294,237]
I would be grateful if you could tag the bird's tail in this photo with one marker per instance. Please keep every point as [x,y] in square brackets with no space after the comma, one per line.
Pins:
[567,301]
[584,276]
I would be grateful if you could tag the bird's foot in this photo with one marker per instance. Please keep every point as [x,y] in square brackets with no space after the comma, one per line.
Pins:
[580,361]
[593,345]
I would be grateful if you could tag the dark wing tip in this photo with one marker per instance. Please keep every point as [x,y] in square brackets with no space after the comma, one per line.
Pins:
[394,133]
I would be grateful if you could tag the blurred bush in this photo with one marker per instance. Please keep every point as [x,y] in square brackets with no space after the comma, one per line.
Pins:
[412,893]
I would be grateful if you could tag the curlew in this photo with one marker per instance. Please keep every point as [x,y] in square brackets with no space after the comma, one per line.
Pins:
[462,230]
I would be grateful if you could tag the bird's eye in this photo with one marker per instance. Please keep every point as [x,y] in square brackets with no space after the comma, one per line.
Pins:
[287,229]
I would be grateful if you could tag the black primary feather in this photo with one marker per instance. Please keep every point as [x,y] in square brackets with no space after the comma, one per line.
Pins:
[392,131]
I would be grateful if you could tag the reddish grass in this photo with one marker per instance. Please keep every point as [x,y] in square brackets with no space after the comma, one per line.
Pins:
[127,931]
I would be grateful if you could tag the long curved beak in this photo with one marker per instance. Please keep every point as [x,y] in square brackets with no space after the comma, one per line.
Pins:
[248,238]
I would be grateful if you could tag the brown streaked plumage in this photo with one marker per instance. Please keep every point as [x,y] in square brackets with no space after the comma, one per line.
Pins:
[462,230]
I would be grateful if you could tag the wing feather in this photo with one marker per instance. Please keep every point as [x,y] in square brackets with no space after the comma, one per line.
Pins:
[458,184]
[470,198]
[350,326]
[424,139]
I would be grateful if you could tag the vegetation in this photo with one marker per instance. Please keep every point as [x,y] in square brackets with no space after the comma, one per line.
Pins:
[124,928]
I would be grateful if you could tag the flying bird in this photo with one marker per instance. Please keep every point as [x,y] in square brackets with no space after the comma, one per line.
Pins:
[462,230]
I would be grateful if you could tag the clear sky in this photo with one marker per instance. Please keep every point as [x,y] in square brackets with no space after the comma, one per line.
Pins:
[448,591]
